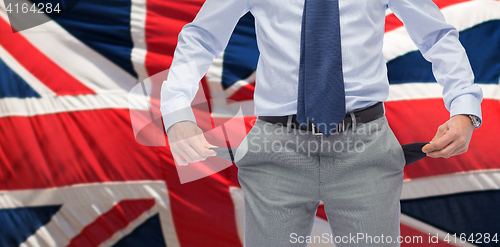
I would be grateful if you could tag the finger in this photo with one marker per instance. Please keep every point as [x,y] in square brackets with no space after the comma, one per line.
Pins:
[440,143]
[199,148]
[461,148]
[211,152]
[189,153]
[202,139]
[182,148]
[179,160]
[446,152]
[459,151]
[426,148]
[440,132]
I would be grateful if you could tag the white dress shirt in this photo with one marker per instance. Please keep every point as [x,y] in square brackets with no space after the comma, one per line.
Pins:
[278,28]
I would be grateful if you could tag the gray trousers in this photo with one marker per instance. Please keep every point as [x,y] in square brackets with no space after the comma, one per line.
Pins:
[358,174]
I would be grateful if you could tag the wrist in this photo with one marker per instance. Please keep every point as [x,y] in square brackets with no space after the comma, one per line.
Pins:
[476,121]
[470,119]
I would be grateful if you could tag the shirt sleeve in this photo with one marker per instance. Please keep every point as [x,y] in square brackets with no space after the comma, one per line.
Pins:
[439,44]
[199,43]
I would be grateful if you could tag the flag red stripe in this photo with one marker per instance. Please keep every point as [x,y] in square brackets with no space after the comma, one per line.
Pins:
[73,148]
[39,65]
[204,202]
[106,225]
[243,93]
[392,22]
[320,212]
[161,41]
[418,120]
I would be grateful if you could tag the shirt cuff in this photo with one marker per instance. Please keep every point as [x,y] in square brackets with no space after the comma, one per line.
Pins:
[466,104]
[172,115]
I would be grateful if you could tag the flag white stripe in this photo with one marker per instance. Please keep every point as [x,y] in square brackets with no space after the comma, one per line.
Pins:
[58,104]
[426,229]
[67,223]
[462,16]
[448,184]
[214,78]
[320,229]
[412,91]
[239,210]
[138,31]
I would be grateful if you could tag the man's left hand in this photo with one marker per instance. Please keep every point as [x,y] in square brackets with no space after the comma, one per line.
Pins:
[452,138]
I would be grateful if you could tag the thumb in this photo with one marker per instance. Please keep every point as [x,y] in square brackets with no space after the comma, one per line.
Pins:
[440,132]
[201,138]
[205,142]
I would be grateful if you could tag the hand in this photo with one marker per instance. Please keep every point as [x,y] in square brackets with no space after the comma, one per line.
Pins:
[452,138]
[188,144]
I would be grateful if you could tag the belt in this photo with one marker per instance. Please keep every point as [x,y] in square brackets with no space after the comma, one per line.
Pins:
[360,116]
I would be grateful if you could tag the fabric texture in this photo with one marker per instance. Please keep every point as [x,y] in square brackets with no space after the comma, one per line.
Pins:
[358,174]
[413,152]
[321,94]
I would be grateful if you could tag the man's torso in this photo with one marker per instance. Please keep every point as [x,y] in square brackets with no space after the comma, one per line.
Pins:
[278,28]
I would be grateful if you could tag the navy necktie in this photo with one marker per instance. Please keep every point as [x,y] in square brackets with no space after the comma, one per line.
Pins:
[321,95]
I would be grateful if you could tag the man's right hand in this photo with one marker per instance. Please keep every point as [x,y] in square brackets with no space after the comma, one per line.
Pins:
[188,144]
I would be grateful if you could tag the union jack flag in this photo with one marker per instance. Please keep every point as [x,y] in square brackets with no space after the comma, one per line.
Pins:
[73,171]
